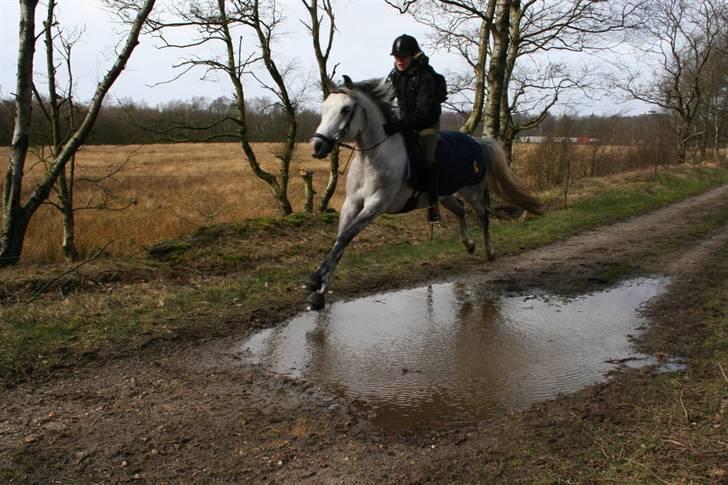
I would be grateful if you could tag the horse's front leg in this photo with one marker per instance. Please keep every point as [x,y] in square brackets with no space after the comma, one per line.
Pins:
[351,208]
[320,281]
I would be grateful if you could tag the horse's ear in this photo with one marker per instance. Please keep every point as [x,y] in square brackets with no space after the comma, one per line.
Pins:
[385,90]
[328,85]
[348,83]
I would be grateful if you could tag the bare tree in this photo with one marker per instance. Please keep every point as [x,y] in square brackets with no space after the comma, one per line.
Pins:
[715,112]
[60,106]
[518,29]
[16,213]
[681,37]
[463,27]
[229,24]
[533,93]
[322,44]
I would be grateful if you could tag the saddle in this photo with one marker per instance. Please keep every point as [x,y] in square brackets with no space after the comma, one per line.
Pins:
[460,160]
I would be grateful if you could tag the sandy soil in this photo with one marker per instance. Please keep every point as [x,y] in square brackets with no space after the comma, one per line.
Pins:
[182,415]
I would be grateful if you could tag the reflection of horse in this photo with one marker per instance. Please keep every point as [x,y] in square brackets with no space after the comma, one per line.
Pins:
[376,181]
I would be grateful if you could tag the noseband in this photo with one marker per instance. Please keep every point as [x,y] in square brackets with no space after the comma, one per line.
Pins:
[344,129]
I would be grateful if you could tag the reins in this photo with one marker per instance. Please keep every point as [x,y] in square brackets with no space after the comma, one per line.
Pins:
[342,132]
[354,148]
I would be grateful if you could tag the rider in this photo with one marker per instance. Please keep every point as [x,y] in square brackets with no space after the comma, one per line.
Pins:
[419,108]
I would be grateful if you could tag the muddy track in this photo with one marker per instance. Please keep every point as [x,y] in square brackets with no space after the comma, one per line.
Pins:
[195,415]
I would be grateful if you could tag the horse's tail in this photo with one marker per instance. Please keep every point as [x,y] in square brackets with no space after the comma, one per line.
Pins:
[504,181]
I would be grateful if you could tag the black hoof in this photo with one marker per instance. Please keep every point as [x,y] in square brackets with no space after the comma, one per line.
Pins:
[470,248]
[316,300]
[313,282]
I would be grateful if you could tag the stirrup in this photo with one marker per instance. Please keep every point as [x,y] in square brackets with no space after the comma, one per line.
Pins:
[433,214]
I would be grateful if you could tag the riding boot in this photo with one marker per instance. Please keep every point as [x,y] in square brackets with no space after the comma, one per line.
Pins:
[433,211]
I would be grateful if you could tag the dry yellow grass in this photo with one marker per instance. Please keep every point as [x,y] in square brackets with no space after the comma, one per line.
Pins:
[177,188]
[180,187]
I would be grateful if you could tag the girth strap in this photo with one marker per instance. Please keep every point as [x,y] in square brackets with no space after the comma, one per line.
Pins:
[412,202]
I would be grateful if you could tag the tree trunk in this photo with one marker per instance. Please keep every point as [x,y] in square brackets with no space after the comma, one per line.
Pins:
[279,187]
[682,151]
[681,142]
[509,135]
[15,218]
[479,101]
[69,225]
[333,181]
[64,184]
[322,59]
[497,70]
[716,138]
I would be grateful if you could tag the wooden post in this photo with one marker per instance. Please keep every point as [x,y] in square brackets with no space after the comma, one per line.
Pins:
[307,176]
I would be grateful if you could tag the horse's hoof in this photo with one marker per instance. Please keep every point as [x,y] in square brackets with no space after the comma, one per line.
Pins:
[313,282]
[470,247]
[491,255]
[316,300]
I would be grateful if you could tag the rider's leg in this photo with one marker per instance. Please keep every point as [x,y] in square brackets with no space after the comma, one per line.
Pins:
[428,140]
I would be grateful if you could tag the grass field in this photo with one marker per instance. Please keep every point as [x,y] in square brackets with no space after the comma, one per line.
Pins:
[176,188]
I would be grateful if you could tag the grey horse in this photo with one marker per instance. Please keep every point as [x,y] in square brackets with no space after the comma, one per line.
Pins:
[376,181]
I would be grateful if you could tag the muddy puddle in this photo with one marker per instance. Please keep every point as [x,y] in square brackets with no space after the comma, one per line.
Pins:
[449,354]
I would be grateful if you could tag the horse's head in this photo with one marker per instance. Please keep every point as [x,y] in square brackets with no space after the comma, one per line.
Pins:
[339,119]
[344,112]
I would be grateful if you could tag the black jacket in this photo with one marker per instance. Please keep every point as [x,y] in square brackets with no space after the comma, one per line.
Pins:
[416,91]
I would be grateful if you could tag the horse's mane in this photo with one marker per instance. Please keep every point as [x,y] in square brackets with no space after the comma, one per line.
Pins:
[380,92]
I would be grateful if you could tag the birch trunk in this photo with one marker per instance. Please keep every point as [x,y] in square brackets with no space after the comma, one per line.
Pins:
[497,70]
[476,114]
[15,217]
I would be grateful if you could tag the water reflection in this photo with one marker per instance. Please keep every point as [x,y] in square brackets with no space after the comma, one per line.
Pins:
[448,353]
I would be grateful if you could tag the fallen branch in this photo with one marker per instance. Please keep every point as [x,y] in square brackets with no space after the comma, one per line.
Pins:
[682,403]
[725,377]
[40,290]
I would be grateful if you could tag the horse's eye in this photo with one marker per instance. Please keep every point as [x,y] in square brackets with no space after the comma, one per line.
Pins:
[346,110]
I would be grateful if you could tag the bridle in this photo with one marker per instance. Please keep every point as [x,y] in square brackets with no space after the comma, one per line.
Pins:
[336,139]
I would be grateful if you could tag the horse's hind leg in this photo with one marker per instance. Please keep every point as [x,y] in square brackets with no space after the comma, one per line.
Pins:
[478,197]
[454,205]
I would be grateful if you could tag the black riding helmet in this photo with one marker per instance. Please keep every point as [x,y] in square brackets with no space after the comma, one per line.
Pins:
[405,46]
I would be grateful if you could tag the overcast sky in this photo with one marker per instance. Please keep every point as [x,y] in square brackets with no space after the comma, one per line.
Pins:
[366,29]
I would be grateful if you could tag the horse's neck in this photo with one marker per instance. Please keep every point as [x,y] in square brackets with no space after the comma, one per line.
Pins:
[373,132]
[381,152]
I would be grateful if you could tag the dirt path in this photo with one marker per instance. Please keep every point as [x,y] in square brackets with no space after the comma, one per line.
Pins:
[185,416]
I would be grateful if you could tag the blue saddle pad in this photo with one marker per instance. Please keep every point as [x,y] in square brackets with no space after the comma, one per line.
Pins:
[461,163]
